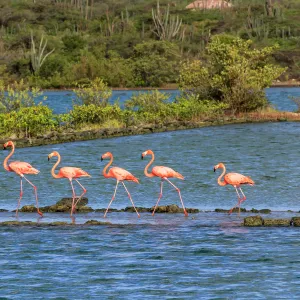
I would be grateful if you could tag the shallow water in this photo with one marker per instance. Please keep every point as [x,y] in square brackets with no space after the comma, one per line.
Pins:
[204,256]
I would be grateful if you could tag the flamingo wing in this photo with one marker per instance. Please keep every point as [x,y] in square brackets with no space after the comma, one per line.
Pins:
[71,172]
[237,179]
[21,167]
[121,174]
[162,171]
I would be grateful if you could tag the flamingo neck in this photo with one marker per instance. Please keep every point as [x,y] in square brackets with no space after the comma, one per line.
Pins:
[54,167]
[146,168]
[222,183]
[5,165]
[105,174]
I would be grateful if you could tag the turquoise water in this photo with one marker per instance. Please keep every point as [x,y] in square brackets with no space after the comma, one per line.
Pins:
[205,256]
[62,101]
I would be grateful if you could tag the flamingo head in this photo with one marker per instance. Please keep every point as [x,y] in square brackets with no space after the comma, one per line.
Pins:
[8,144]
[219,165]
[146,153]
[54,153]
[106,155]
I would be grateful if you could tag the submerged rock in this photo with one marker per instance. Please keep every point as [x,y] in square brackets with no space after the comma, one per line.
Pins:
[235,210]
[277,222]
[295,221]
[253,221]
[95,222]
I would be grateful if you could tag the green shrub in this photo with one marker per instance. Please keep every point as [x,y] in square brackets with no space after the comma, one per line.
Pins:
[97,93]
[93,114]
[28,121]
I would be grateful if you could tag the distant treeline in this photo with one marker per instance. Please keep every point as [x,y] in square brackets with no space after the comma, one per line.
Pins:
[133,43]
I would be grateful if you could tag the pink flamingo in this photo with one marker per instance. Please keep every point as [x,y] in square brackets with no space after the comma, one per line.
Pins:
[121,175]
[164,173]
[69,173]
[21,168]
[236,180]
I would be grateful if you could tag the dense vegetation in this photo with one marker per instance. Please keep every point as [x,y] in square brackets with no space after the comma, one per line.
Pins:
[232,80]
[130,43]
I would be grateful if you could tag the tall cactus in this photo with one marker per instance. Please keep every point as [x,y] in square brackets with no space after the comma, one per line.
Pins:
[37,55]
[166,26]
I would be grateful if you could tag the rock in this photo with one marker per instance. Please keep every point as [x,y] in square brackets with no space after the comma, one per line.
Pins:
[95,222]
[277,222]
[253,221]
[139,209]
[17,223]
[28,208]
[58,223]
[68,202]
[265,211]
[84,209]
[110,210]
[295,221]
[235,210]
[3,210]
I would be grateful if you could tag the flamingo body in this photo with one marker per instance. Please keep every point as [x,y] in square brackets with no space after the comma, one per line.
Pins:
[71,172]
[21,168]
[236,180]
[120,175]
[162,171]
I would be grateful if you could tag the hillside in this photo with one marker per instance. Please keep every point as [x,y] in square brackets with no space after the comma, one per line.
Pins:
[132,43]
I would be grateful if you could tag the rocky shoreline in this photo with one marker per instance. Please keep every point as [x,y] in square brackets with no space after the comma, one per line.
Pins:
[69,135]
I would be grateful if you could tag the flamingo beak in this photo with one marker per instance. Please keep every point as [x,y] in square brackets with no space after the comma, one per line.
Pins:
[48,157]
[214,169]
[101,158]
[142,157]
[4,148]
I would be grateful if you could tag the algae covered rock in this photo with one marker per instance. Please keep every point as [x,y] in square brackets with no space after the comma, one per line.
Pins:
[28,208]
[265,211]
[68,202]
[296,221]
[95,222]
[253,221]
[235,210]
[277,222]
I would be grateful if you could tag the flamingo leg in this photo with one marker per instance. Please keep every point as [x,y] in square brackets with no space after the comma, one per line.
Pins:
[36,196]
[84,191]
[112,199]
[178,190]
[21,194]
[130,199]
[73,196]
[239,202]
[159,197]
[244,197]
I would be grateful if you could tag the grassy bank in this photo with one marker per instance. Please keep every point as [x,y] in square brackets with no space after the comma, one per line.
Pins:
[100,132]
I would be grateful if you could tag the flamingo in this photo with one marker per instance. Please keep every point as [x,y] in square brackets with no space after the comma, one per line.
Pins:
[69,173]
[164,173]
[21,168]
[236,180]
[120,175]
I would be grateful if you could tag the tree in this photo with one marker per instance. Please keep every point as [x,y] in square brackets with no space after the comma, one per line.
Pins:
[234,73]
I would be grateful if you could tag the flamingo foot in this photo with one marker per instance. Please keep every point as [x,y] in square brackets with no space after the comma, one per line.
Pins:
[40,213]
[185,213]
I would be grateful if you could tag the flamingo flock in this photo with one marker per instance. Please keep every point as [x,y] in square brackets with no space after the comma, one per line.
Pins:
[121,175]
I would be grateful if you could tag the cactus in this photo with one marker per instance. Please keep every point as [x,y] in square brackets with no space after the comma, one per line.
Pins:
[37,55]
[166,26]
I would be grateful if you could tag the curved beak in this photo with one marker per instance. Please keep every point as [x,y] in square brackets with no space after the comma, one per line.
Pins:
[142,157]
[214,169]
[49,157]
[101,158]
[4,148]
